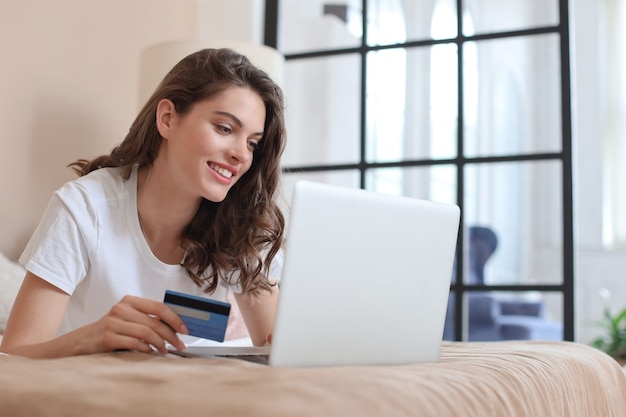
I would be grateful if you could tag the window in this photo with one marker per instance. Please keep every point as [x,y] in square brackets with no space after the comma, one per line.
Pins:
[407,98]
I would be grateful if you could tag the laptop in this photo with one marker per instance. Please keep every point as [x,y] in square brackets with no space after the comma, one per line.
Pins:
[365,281]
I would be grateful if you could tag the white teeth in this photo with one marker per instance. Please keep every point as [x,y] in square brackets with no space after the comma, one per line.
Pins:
[223,172]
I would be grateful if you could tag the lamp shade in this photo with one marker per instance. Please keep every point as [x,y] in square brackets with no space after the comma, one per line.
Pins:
[157,60]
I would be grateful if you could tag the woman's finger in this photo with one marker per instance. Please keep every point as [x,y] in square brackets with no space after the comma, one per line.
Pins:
[157,309]
[122,334]
[152,318]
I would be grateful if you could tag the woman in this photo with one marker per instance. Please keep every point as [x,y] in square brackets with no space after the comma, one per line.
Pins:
[186,202]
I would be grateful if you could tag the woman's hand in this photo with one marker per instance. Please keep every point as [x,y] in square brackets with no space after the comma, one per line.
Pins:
[259,314]
[134,323]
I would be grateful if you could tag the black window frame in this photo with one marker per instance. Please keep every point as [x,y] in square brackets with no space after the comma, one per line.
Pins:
[459,287]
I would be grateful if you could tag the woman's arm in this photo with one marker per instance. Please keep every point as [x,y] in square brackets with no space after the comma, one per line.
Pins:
[36,314]
[259,314]
[134,323]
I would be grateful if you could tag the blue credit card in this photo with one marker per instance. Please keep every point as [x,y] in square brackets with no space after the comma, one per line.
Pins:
[203,317]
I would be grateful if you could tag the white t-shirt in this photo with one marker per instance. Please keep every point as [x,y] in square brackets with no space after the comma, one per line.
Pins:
[89,244]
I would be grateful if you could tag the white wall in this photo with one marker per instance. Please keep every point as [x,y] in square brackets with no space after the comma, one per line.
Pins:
[68,78]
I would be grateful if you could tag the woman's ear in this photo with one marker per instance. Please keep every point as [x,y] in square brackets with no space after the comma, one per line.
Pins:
[165,113]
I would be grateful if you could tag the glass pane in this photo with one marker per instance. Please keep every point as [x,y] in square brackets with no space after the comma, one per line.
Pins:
[436,183]
[512,96]
[386,22]
[397,21]
[450,323]
[411,103]
[313,25]
[513,220]
[506,15]
[323,113]
[528,315]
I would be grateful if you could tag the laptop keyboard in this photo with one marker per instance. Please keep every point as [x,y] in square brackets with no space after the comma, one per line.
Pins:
[262,359]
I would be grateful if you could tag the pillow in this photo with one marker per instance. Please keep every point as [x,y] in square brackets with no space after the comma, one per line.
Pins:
[11,276]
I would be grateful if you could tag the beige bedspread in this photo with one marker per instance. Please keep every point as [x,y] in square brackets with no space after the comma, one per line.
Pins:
[503,379]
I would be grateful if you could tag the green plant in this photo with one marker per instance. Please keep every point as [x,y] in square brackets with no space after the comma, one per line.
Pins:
[613,342]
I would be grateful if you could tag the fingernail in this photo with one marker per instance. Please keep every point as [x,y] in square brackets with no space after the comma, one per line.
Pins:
[184,329]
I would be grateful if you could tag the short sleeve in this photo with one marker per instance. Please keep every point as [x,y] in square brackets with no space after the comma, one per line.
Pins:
[57,251]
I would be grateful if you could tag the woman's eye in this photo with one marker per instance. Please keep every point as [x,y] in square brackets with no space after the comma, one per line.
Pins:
[253,145]
[224,129]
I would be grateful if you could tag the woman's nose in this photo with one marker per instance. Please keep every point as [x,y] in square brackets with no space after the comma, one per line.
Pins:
[239,150]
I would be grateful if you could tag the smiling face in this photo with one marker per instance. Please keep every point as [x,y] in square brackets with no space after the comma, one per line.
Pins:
[209,148]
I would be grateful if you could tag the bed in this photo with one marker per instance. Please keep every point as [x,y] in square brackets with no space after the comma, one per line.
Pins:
[471,379]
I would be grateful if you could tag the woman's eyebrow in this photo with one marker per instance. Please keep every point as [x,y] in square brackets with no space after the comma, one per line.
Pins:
[235,119]
[230,116]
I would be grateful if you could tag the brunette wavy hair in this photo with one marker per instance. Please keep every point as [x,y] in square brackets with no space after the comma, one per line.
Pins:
[245,231]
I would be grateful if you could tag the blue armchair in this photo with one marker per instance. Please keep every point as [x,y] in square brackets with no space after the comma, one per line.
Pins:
[491,318]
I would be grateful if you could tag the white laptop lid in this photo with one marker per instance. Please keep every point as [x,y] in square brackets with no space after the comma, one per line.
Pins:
[366,278]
